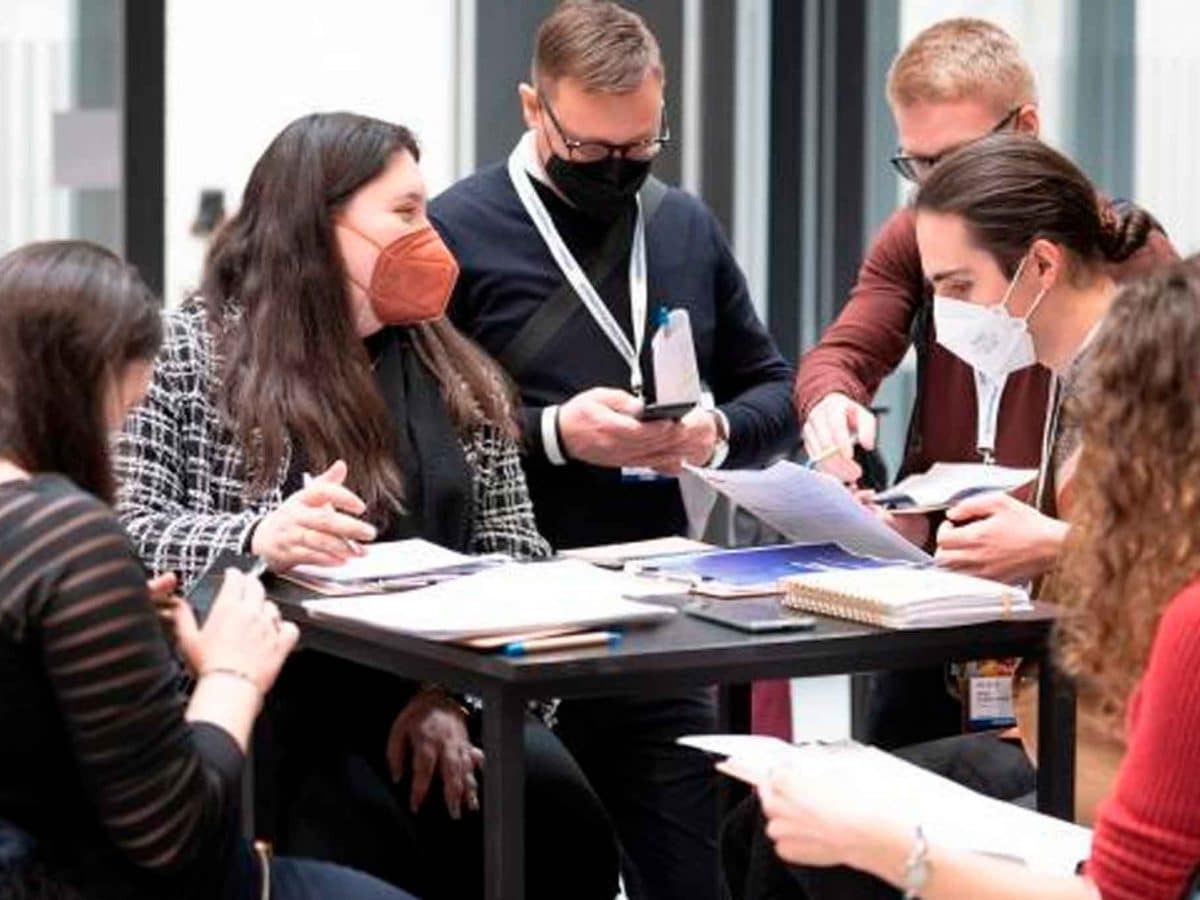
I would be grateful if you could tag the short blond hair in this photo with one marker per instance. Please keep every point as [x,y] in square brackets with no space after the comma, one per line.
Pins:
[607,48]
[962,59]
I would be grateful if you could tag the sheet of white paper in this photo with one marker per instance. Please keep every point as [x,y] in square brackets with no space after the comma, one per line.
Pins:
[944,481]
[699,501]
[810,507]
[676,376]
[391,559]
[510,599]
[950,814]
[616,555]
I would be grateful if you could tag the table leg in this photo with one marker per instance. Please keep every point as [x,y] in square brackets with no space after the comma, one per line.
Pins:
[734,708]
[504,796]
[1056,742]
[733,717]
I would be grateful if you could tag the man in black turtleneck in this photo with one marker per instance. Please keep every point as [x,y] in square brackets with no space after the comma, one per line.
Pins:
[567,255]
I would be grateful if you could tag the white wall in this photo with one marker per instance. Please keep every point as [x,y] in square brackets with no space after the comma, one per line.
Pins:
[238,71]
[35,83]
[1166,176]
[1039,26]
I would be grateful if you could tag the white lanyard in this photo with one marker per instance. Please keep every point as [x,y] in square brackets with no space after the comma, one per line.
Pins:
[631,352]
[987,401]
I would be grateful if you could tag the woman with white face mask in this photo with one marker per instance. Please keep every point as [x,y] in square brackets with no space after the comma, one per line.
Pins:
[1013,240]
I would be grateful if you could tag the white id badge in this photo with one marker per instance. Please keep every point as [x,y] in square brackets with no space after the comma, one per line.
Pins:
[991,702]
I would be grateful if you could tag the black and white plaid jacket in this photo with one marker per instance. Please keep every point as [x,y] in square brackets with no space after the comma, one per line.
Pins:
[184,495]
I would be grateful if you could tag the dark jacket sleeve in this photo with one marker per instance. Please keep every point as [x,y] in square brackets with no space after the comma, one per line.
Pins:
[873,332]
[750,379]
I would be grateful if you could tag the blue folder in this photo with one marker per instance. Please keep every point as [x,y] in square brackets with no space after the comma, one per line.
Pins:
[755,570]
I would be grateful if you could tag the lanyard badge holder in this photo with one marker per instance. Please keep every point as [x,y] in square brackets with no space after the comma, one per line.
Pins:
[987,402]
[630,351]
[986,685]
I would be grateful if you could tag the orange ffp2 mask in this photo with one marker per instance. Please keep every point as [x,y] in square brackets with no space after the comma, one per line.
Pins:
[412,278]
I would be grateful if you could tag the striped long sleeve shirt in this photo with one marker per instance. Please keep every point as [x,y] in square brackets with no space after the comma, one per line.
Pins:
[96,759]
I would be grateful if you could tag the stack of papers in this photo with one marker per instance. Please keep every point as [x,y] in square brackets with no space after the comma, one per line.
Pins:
[946,484]
[391,566]
[516,599]
[950,815]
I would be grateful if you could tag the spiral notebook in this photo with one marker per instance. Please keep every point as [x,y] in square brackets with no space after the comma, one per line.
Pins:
[904,597]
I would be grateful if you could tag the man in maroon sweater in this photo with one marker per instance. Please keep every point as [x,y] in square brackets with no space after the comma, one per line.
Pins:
[956,82]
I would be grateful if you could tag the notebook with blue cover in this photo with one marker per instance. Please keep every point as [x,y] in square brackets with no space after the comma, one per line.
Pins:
[754,571]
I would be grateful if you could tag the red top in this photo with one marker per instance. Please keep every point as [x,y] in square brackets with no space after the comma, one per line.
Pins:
[873,332]
[1147,836]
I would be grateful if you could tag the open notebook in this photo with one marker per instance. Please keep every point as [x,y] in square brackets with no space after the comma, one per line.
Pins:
[951,815]
[946,484]
[903,597]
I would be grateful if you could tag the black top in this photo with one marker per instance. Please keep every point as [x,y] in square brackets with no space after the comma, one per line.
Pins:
[97,762]
[507,272]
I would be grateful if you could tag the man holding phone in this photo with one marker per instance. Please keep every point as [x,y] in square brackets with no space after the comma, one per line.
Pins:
[568,251]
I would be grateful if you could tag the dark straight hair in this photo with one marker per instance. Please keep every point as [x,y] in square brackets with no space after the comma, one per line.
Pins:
[72,316]
[1013,189]
[275,287]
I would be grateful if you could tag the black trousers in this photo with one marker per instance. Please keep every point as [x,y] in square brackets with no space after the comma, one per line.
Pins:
[752,871]
[661,797]
[347,810]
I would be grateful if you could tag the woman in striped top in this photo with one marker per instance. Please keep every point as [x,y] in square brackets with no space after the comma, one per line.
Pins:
[127,788]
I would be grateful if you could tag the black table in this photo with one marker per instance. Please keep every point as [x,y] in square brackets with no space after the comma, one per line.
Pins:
[685,652]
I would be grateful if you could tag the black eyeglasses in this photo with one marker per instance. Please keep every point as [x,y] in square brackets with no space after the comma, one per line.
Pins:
[914,168]
[598,151]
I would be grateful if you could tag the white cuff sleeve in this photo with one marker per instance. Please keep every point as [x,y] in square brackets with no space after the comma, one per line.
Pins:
[554,452]
[721,452]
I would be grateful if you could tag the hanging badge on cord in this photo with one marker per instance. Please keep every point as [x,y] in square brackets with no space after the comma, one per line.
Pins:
[987,404]
[630,351]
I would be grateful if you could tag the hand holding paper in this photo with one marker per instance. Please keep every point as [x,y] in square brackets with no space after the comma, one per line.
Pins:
[810,508]
[999,537]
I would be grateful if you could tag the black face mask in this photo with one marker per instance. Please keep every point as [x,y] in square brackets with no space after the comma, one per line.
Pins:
[601,190]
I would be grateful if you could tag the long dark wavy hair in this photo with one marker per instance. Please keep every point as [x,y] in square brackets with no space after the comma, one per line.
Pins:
[275,287]
[1135,536]
[72,317]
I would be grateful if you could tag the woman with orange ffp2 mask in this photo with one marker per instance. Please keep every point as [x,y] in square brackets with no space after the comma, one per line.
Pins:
[318,343]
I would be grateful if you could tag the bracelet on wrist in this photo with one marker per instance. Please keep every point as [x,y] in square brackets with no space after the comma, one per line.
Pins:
[229,672]
[916,867]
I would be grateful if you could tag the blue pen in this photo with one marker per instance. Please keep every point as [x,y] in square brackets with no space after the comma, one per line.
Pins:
[562,642]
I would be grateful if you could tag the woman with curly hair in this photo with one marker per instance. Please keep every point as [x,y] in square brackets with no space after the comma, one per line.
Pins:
[1013,240]
[1131,588]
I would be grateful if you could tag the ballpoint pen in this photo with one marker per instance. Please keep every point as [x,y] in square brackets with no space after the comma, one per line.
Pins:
[354,546]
